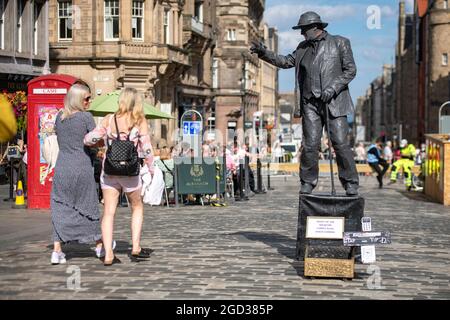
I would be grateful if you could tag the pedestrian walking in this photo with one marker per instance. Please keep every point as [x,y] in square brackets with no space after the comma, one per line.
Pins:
[74,205]
[387,152]
[405,163]
[128,123]
[375,160]
[360,153]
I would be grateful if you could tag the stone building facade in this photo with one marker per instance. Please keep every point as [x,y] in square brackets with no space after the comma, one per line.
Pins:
[434,59]
[113,44]
[182,54]
[268,77]
[422,67]
[421,78]
[406,85]
[23,42]
[237,80]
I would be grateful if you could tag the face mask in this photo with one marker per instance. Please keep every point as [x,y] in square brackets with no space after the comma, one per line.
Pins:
[310,34]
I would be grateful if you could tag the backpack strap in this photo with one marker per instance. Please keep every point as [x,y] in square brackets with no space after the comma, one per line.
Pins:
[117,129]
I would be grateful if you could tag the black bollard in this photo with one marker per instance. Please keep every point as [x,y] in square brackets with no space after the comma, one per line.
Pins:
[268,177]
[241,182]
[247,176]
[259,189]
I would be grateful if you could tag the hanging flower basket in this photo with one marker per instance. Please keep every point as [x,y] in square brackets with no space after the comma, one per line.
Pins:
[18,101]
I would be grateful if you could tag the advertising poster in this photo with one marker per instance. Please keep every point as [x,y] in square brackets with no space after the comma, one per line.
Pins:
[47,142]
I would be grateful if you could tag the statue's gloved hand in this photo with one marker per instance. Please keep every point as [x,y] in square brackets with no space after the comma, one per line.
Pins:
[327,95]
[259,48]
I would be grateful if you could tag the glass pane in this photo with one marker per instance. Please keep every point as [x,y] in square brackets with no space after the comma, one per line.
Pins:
[116,27]
[69,29]
[62,28]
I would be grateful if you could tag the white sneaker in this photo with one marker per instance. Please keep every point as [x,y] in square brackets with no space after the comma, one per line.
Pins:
[100,253]
[58,257]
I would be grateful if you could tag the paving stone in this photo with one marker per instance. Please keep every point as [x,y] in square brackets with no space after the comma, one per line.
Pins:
[243,251]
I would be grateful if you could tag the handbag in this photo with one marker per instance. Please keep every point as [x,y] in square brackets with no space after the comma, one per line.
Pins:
[122,157]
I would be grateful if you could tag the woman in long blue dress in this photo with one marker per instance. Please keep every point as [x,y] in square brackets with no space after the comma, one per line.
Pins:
[74,202]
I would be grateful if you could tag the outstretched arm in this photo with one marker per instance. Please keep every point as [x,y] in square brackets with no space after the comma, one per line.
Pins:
[279,61]
[96,135]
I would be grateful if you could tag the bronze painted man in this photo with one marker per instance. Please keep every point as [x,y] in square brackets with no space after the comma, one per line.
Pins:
[324,66]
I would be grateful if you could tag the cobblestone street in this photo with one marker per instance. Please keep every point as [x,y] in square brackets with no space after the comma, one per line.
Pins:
[243,251]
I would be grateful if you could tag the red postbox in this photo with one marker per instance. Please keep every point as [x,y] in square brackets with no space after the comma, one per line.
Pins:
[45,97]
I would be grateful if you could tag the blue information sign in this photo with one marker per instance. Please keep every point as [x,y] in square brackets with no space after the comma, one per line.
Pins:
[191,127]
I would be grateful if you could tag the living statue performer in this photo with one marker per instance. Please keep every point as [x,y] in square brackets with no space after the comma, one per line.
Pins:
[324,66]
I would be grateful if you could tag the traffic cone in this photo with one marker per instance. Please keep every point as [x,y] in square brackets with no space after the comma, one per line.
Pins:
[20,199]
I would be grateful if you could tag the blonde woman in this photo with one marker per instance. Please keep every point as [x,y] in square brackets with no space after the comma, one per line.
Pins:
[74,204]
[131,124]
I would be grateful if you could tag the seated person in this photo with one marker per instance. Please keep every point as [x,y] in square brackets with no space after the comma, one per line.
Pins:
[166,164]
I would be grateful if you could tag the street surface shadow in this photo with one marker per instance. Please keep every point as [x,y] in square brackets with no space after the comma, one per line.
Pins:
[416,195]
[284,245]
[81,250]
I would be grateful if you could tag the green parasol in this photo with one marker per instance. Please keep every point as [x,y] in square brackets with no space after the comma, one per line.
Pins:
[109,103]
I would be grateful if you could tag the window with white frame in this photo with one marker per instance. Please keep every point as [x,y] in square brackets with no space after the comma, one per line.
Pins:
[37,8]
[20,8]
[215,73]
[65,15]
[111,20]
[445,59]
[231,34]
[137,20]
[166,23]
[2,24]
[198,10]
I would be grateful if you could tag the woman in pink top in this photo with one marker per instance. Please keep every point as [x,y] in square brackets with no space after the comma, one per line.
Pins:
[131,122]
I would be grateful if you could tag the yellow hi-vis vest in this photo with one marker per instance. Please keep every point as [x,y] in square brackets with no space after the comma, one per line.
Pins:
[408,152]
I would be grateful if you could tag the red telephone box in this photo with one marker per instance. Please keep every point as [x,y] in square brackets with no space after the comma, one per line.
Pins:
[45,97]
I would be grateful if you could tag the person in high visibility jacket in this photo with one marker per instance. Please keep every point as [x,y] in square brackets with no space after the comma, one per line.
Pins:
[406,163]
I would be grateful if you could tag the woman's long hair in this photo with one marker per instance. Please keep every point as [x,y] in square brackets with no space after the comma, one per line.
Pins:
[73,101]
[131,103]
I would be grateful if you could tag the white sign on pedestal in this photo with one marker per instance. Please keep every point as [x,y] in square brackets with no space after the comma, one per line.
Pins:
[368,254]
[325,227]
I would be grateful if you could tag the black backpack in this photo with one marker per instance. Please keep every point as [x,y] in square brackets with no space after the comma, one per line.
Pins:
[122,157]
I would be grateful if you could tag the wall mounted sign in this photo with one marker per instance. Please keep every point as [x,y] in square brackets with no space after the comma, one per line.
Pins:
[50,91]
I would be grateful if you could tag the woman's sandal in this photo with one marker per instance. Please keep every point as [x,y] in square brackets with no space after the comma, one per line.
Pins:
[143,254]
[113,261]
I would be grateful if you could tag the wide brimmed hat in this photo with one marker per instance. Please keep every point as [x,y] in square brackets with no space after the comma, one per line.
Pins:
[309,18]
